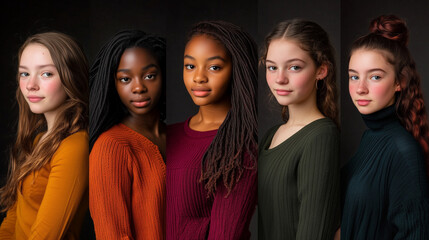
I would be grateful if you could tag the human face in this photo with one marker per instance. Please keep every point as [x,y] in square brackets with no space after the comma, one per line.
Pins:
[291,73]
[207,71]
[372,83]
[40,81]
[138,81]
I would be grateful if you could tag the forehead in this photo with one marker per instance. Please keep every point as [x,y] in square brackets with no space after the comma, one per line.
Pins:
[35,54]
[285,49]
[136,55]
[369,58]
[203,45]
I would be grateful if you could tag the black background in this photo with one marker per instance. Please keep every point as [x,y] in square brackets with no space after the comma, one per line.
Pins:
[92,23]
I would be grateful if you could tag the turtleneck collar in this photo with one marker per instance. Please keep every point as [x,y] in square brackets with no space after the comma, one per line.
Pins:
[380,118]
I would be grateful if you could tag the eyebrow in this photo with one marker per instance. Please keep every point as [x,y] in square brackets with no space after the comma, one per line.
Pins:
[370,70]
[40,66]
[290,60]
[208,59]
[143,68]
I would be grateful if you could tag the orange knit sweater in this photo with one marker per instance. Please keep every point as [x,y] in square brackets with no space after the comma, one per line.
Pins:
[127,186]
[52,201]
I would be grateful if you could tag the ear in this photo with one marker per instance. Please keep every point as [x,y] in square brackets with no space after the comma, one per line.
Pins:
[397,88]
[322,71]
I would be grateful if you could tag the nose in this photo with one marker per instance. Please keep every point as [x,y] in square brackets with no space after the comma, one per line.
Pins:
[362,87]
[32,84]
[138,86]
[282,78]
[200,76]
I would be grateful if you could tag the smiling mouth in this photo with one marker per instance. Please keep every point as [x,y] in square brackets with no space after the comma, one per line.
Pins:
[141,103]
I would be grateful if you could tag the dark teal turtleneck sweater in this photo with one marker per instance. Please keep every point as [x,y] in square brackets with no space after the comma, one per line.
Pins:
[385,187]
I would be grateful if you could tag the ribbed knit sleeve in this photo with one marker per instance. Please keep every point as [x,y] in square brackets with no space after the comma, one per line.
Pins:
[190,213]
[7,228]
[318,188]
[230,216]
[386,190]
[127,186]
[110,189]
[298,184]
[409,194]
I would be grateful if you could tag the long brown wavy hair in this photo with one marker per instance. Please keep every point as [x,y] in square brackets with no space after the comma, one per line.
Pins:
[315,41]
[389,34]
[25,157]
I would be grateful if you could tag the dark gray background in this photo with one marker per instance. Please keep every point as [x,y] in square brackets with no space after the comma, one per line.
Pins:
[355,19]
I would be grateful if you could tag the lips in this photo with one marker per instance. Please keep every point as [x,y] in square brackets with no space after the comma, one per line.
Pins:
[363,102]
[34,99]
[201,91]
[141,103]
[283,92]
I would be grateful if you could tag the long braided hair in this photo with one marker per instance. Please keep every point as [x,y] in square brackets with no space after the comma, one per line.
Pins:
[389,33]
[106,108]
[237,135]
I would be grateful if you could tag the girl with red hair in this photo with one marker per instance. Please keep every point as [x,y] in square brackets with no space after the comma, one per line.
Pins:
[386,191]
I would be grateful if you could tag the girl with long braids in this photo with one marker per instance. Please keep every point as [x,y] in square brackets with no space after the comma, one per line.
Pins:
[127,138]
[299,168]
[386,190]
[46,194]
[211,166]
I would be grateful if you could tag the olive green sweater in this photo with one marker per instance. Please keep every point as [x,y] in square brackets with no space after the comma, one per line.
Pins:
[299,184]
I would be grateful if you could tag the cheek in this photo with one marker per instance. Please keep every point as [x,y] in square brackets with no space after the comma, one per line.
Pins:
[352,88]
[382,91]
[271,77]
[304,82]
[53,87]
[22,86]
[187,79]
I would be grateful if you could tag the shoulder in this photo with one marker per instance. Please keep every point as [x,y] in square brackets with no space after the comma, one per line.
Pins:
[407,149]
[76,141]
[116,137]
[322,129]
[269,133]
[72,148]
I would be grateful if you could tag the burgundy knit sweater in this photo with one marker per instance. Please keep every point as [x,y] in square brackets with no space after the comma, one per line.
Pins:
[190,214]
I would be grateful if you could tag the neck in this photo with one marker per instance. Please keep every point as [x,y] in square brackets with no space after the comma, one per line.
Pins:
[210,117]
[305,112]
[50,121]
[148,123]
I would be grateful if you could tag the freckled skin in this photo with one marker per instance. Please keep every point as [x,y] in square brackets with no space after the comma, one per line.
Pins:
[38,77]
[372,84]
[289,67]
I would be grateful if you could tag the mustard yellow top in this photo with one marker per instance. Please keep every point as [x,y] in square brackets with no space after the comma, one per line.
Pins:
[52,201]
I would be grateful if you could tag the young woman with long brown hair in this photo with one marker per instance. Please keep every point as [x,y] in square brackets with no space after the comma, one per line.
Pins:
[386,190]
[46,192]
[298,180]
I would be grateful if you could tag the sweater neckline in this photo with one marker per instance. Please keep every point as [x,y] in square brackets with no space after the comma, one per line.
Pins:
[381,118]
[295,135]
[197,134]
